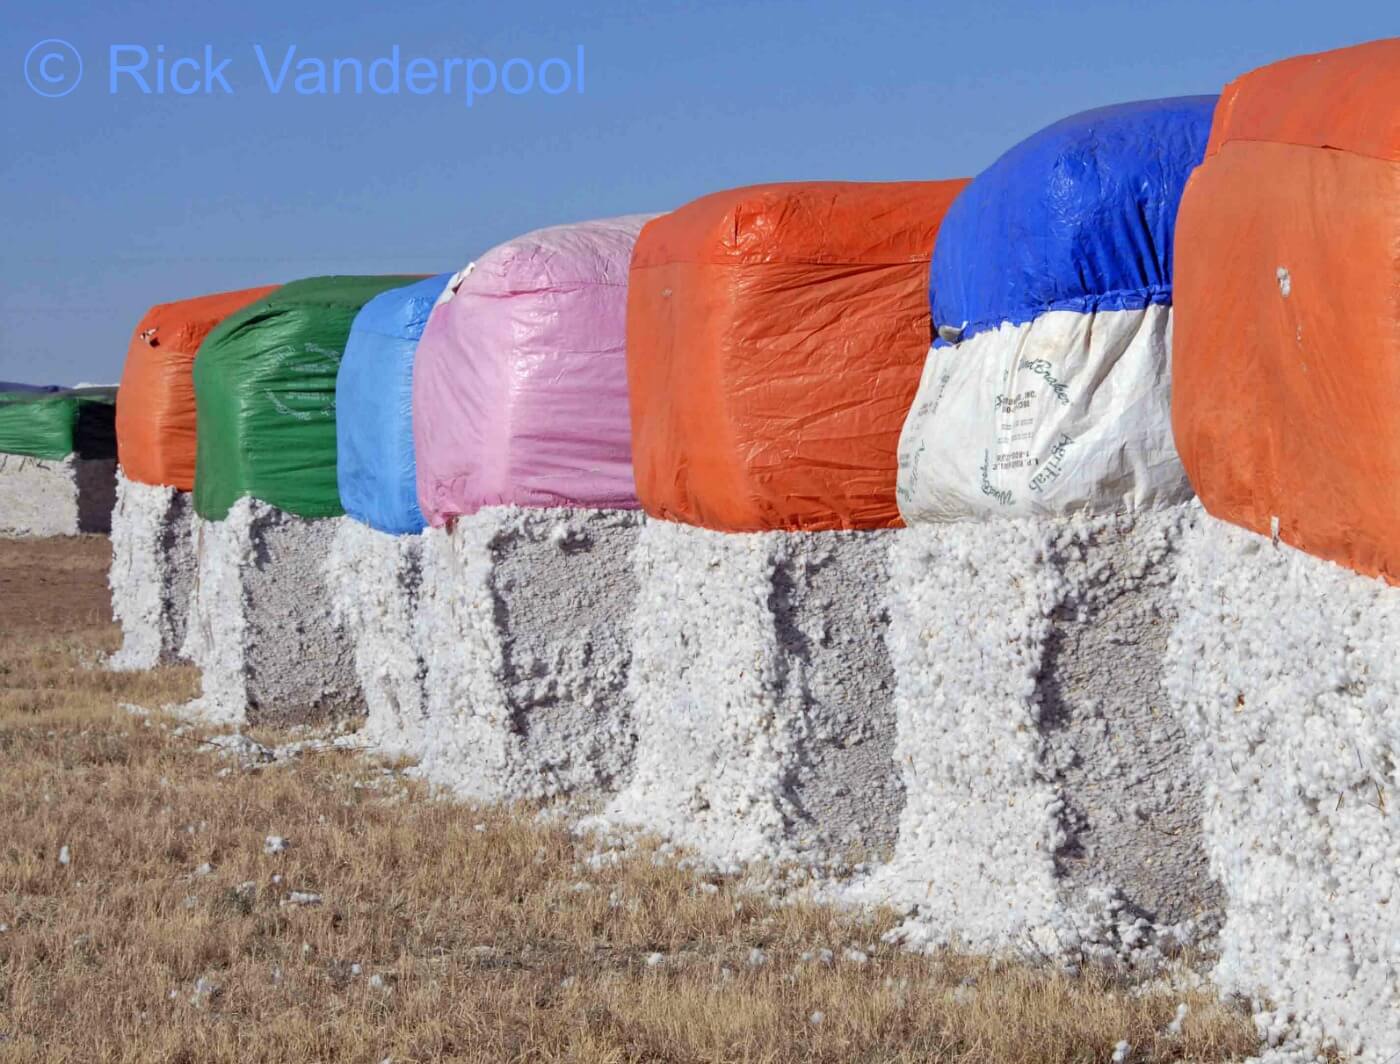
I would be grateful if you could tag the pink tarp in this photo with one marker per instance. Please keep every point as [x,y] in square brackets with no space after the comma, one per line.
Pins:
[520,384]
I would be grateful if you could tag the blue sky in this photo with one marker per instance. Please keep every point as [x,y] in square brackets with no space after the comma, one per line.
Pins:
[113,202]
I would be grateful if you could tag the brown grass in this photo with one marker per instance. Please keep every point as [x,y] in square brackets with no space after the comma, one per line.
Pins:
[445,932]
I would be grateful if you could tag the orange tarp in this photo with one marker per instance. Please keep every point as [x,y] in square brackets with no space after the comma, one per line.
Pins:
[155,403]
[775,338]
[1286,353]
[1345,100]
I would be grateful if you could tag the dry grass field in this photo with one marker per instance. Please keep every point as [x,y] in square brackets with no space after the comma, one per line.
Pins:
[146,916]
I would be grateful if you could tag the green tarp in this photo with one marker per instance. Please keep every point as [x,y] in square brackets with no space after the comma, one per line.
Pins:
[264,383]
[53,425]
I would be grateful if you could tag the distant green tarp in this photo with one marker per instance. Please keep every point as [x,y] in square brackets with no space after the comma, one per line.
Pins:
[264,383]
[53,425]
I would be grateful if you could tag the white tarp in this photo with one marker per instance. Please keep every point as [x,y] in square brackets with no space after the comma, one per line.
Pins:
[1069,412]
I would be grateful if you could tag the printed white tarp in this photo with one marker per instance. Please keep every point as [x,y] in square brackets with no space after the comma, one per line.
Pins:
[1067,412]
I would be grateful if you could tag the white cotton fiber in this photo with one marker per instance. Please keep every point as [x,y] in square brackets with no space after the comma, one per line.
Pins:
[262,629]
[526,633]
[152,572]
[374,579]
[1050,798]
[761,690]
[59,497]
[1284,670]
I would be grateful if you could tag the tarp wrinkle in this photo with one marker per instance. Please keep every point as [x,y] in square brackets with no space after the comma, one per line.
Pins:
[775,337]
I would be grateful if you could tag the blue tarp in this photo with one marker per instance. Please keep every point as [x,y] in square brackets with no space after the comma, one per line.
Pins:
[1079,216]
[375,469]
